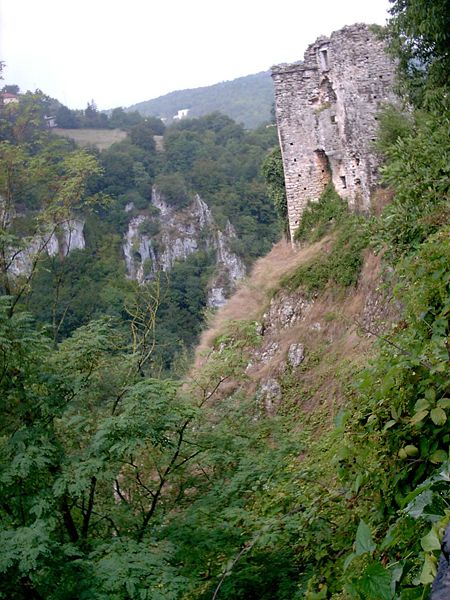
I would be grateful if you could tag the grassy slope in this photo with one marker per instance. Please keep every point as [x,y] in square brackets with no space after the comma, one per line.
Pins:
[330,329]
[101,138]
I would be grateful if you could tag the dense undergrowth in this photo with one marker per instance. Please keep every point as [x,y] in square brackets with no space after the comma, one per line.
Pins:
[120,485]
[341,264]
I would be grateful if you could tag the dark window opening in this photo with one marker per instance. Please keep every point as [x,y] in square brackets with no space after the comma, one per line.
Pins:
[358,181]
[295,160]
[291,143]
[324,59]
[304,188]
[343,181]
[333,118]
[357,159]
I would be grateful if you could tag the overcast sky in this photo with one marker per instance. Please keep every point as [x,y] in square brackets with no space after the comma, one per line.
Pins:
[122,52]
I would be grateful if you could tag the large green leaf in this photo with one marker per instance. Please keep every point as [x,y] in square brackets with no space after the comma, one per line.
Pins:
[364,542]
[375,584]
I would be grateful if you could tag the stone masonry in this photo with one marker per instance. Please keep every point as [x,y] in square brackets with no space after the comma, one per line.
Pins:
[326,109]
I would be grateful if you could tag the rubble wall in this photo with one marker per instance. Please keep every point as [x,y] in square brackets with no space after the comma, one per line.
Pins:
[326,108]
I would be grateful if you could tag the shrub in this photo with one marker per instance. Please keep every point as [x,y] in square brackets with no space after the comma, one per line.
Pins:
[340,266]
[319,217]
[174,189]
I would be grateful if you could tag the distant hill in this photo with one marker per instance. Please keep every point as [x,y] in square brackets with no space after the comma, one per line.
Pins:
[247,100]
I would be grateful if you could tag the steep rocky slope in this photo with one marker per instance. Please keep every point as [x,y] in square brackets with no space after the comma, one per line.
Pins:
[300,334]
[155,240]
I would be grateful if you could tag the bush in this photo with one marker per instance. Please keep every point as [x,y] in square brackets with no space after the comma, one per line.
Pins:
[174,189]
[319,217]
[340,266]
[418,169]
[149,228]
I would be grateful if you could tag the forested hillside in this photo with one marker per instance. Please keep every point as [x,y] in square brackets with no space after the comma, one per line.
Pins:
[247,100]
[49,185]
[305,452]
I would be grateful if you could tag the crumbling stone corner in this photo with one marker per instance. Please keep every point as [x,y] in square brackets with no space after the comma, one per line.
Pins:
[326,109]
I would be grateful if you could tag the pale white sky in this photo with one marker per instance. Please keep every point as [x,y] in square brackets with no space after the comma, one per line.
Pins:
[119,53]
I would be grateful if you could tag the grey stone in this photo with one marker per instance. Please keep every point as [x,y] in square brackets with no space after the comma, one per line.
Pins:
[326,109]
[179,236]
[269,393]
[296,355]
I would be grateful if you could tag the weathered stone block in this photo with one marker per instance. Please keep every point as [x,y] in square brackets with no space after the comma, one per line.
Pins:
[326,109]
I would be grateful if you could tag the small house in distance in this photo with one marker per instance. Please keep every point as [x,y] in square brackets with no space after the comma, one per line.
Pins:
[8,98]
[181,114]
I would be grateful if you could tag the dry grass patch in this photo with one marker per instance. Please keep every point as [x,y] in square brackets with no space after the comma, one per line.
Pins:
[252,295]
[100,138]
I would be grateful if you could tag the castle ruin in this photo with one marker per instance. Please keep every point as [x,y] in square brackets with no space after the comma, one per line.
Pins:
[326,109]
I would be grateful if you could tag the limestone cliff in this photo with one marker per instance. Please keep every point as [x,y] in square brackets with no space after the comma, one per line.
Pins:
[157,238]
[59,240]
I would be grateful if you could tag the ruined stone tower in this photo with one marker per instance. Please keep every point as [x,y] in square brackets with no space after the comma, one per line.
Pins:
[326,109]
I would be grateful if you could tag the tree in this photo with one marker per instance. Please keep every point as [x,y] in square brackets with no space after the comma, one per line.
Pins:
[23,122]
[273,172]
[66,118]
[64,188]
[124,120]
[11,89]
[173,189]
[142,135]
[419,34]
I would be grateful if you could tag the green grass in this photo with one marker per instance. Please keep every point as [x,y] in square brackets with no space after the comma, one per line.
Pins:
[339,266]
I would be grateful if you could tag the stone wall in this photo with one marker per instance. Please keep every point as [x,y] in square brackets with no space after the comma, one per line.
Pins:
[326,108]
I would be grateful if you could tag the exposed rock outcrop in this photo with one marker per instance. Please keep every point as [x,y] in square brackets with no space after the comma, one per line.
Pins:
[63,238]
[153,242]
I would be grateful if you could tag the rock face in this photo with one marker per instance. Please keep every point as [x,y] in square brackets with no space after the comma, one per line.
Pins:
[65,237]
[296,355]
[155,241]
[68,236]
[326,110]
[285,310]
[269,395]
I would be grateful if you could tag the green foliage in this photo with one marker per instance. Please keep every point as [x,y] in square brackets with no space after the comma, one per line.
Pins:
[149,228]
[119,484]
[320,217]
[273,172]
[173,189]
[340,265]
[23,122]
[394,124]
[183,298]
[142,135]
[246,100]
[419,38]
[417,166]
[121,119]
